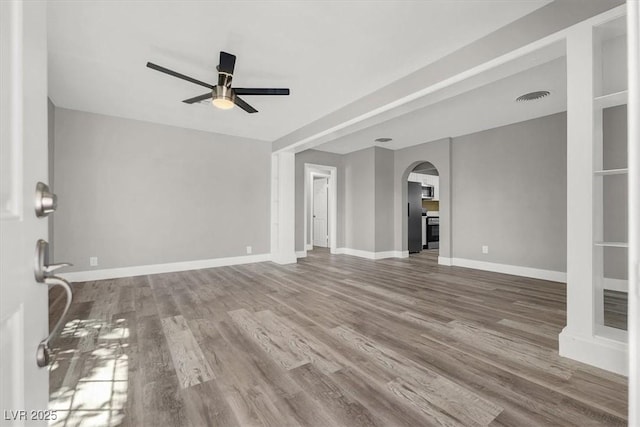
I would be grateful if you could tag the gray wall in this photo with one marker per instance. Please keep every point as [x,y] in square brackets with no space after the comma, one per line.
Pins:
[615,194]
[136,193]
[510,193]
[325,159]
[359,210]
[384,199]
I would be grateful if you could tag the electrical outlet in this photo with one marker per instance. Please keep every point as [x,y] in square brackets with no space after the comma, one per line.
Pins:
[485,249]
[93,261]
[249,249]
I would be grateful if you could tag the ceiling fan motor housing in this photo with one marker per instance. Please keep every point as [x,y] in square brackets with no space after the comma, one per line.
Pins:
[224,92]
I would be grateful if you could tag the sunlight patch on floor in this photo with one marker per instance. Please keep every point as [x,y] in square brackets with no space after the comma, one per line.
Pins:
[99,396]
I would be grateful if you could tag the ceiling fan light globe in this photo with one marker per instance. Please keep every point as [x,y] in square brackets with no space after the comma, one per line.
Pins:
[223,103]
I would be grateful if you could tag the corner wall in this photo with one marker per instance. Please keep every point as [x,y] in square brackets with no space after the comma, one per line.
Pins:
[359,207]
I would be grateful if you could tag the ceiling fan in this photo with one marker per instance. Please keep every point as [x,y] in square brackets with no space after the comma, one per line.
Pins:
[223,95]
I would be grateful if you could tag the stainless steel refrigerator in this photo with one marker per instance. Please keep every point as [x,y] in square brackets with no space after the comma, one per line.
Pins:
[414,211]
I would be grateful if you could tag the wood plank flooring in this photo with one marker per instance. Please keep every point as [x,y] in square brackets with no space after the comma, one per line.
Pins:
[331,341]
[615,309]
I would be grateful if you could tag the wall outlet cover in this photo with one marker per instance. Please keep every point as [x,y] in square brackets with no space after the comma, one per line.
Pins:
[485,249]
[93,261]
[249,249]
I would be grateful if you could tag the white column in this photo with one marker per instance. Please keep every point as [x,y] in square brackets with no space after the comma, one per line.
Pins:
[283,208]
[633,113]
[579,183]
[581,339]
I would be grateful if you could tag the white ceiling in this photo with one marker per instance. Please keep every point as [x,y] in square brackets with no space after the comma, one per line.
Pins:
[481,108]
[328,53]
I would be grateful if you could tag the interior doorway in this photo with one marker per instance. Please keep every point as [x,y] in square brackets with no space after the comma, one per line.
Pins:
[320,207]
[320,203]
[423,200]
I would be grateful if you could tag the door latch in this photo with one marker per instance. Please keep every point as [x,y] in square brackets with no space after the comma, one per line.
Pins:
[44,274]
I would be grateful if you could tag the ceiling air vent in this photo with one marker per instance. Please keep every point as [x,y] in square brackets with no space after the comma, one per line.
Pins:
[383,139]
[532,96]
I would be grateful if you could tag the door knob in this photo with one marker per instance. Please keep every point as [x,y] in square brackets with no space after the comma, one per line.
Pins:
[44,274]
[46,201]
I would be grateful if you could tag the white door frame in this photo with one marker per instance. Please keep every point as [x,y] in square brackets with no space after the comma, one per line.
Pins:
[331,172]
[312,205]
[24,318]
[633,314]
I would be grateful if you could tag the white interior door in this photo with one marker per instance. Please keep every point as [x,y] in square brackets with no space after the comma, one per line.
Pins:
[320,212]
[23,152]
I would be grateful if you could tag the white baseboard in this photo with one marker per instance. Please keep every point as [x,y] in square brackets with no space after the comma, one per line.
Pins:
[616,285]
[372,255]
[308,247]
[601,352]
[283,259]
[516,270]
[301,254]
[141,270]
[444,261]
[536,273]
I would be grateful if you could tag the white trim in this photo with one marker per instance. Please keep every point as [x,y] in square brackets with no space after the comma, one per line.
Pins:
[633,126]
[555,276]
[283,259]
[372,255]
[444,261]
[312,206]
[616,284]
[301,254]
[141,270]
[516,270]
[283,208]
[308,247]
[601,352]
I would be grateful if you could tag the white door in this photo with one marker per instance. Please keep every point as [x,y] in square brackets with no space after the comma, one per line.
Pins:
[23,153]
[320,208]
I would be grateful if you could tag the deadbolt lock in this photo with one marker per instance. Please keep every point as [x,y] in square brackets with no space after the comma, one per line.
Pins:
[46,201]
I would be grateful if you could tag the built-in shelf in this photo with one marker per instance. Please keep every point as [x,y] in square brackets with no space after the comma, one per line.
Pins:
[612,244]
[611,99]
[603,172]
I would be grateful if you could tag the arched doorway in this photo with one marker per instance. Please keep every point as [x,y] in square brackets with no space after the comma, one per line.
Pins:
[423,213]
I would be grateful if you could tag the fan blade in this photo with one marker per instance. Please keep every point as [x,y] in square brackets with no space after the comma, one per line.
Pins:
[178,75]
[261,91]
[227,63]
[246,107]
[198,98]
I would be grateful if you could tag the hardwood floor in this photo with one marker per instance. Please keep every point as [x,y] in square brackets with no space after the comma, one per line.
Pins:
[330,341]
[615,309]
